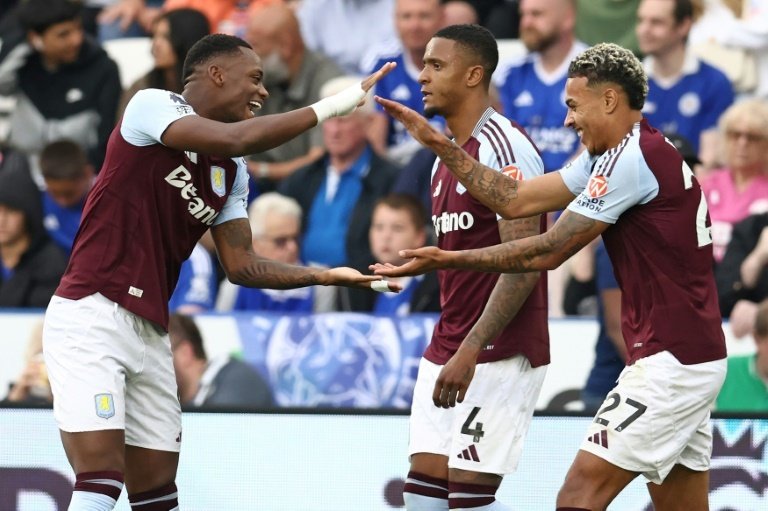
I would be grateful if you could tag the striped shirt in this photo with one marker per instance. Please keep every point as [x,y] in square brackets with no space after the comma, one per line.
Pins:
[462,222]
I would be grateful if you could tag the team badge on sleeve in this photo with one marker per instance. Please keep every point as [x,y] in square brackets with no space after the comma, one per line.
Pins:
[217,181]
[597,186]
[105,406]
[513,171]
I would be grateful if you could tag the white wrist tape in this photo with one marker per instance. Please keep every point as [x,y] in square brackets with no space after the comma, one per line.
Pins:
[380,285]
[341,103]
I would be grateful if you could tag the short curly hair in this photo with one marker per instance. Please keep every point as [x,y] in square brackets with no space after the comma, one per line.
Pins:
[208,47]
[608,62]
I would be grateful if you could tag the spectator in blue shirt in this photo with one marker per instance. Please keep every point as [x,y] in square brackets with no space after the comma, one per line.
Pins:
[685,95]
[398,224]
[416,22]
[68,178]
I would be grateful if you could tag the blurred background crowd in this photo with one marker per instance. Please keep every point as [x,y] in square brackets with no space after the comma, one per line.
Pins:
[357,189]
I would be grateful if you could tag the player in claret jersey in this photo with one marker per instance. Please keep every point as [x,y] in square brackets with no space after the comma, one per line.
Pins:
[170,173]
[633,187]
[460,455]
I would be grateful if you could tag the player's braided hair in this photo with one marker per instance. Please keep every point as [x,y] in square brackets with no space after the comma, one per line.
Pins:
[608,62]
[208,47]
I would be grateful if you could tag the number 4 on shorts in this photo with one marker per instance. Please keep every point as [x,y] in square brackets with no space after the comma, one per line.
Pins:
[466,429]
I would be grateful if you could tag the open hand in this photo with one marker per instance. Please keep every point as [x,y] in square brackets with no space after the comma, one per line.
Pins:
[421,261]
[124,11]
[383,71]
[416,124]
[454,379]
[349,277]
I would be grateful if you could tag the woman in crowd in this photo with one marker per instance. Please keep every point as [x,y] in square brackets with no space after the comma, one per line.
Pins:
[173,34]
[740,188]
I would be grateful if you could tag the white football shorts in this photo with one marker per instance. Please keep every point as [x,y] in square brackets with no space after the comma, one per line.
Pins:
[485,433]
[657,416]
[111,369]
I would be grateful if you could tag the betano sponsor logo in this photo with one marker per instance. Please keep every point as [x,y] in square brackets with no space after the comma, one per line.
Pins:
[181,178]
[449,222]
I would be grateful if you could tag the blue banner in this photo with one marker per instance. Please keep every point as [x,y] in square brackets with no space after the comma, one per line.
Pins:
[337,359]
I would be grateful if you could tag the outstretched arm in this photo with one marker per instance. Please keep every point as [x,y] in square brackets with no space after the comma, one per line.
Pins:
[243,267]
[508,197]
[508,296]
[543,252]
[206,136]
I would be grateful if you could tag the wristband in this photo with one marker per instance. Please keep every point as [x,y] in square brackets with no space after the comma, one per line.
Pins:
[342,103]
[380,285]
[263,170]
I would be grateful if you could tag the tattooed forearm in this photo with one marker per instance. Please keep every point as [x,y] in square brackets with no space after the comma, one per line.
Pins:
[245,268]
[544,252]
[489,186]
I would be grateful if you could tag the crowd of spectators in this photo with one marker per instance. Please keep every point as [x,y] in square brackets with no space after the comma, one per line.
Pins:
[335,206]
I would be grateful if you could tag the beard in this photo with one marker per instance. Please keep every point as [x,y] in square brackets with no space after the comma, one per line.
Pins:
[535,41]
[276,71]
[431,111]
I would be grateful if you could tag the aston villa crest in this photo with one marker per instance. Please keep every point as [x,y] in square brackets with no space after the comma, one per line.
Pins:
[218,182]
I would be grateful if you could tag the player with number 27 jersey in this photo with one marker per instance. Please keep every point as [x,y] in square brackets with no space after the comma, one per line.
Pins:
[670,315]
[662,262]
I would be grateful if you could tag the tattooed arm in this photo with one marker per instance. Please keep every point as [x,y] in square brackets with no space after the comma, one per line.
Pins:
[508,296]
[543,252]
[243,267]
[508,197]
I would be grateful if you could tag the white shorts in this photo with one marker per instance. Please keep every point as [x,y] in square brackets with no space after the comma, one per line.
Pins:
[657,416]
[111,369]
[485,433]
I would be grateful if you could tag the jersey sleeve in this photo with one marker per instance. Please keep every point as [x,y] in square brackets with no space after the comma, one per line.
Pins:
[149,113]
[575,173]
[237,202]
[618,182]
[519,159]
[510,152]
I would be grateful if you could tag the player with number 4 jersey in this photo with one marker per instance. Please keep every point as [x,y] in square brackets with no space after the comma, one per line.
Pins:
[460,455]
[632,187]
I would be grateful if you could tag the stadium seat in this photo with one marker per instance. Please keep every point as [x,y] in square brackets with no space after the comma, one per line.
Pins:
[133,57]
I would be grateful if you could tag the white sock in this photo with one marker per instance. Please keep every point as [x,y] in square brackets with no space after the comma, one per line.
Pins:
[415,502]
[96,491]
[87,501]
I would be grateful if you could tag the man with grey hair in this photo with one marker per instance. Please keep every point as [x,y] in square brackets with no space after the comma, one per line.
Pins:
[276,227]
[632,187]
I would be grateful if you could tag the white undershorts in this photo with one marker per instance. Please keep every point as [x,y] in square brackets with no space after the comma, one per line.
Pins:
[485,433]
[658,416]
[111,369]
